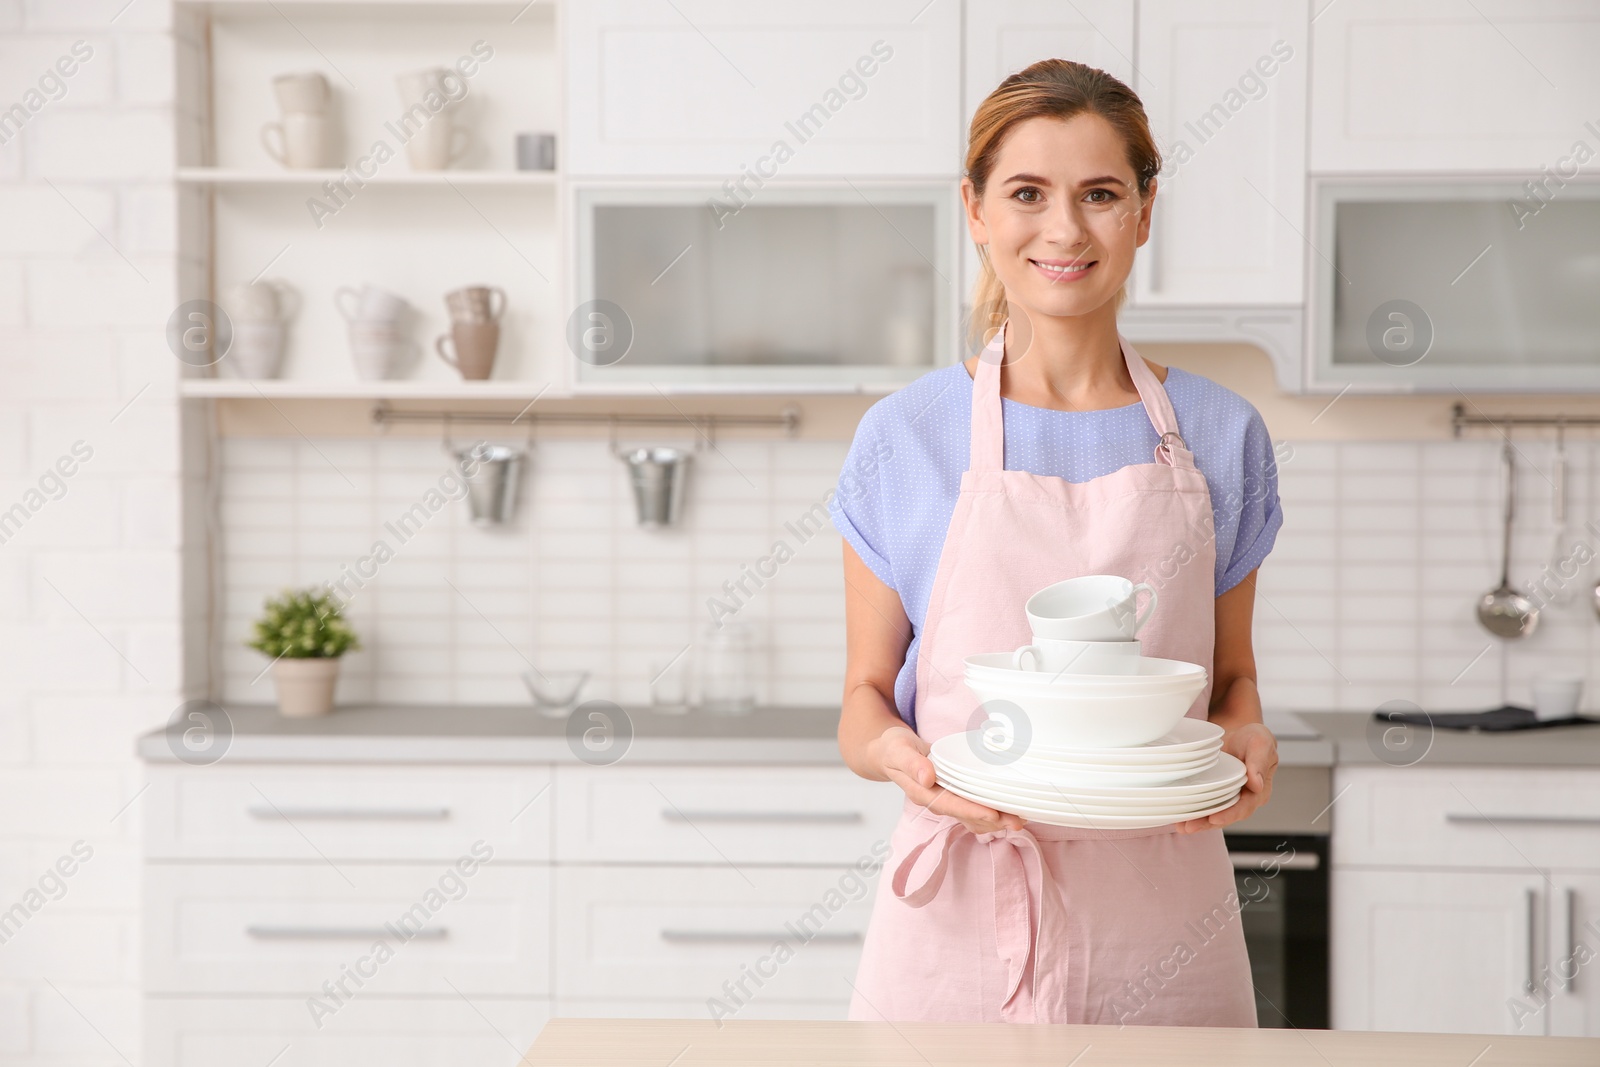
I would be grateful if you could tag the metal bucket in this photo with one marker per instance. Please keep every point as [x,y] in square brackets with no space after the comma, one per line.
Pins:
[657,475]
[492,473]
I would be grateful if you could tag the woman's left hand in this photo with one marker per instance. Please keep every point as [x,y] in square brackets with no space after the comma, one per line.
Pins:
[1255,747]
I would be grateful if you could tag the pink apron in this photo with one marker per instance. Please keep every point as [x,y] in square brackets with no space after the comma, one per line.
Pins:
[1049,924]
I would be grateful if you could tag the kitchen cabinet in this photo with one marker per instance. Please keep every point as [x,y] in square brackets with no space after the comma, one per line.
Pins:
[753,92]
[1459,895]
[1437,85]
[1224,85]
[1004,36]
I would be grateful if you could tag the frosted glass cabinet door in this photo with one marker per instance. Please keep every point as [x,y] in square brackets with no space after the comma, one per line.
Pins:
[1224,84]
[717,87]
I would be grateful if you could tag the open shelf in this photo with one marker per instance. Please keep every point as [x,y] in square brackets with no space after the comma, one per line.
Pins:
[440,178]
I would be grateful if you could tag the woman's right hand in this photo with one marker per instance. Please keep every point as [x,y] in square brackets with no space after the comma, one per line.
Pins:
[902,756]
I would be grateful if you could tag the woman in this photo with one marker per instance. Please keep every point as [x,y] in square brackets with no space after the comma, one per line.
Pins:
[1056,452]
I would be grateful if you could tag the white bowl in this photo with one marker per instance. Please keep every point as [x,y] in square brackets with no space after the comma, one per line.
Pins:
[1153,673]
[1063,717]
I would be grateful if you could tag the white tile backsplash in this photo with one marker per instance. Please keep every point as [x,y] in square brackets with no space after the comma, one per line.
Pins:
[1368,596]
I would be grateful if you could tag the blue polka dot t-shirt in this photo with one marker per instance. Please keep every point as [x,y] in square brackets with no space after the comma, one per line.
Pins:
[896,514]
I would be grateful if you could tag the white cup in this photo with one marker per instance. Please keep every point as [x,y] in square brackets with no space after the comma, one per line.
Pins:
[306,92]
[418,86]
[302,140]
[1556,698]
[439,144]
[257,349]
[376,350]
[368,304]
[258,301]
[1077,657]
[1095,607]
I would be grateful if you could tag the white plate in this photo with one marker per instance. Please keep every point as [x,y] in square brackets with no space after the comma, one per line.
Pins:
[1091,777]
[1189,737]
[1039,754]
[1091,821]
[953,751]
[997,796]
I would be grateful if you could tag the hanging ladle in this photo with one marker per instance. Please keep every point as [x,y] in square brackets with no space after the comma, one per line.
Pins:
[1506,612]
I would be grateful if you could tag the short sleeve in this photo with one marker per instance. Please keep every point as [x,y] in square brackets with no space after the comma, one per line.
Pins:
[857,504]
[1260,513]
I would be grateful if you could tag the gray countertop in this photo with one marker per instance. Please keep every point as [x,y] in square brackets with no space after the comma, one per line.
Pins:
[516,734]
[1356,738]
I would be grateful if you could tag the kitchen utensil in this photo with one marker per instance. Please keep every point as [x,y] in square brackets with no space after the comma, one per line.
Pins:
[376,348]
[954,751]
[536,151]
[433,140]
[493,473]
[476,303]
[259,301]
[657,476]
[298,141]
[1150,675]
[1094,607]
[1556,698]
[257,349]
[1189,738]
[669,690]
[438,145]
[726,684]
[1561,589]
[1077,657]
[555,693]
[1102,719]
[302,92]
[473,345]
[430,86]
[1504,611]
[368,304]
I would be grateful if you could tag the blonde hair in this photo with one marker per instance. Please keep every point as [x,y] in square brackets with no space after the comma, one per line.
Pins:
[1059,89]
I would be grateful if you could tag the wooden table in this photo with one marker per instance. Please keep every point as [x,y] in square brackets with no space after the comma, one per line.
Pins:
[692,1043]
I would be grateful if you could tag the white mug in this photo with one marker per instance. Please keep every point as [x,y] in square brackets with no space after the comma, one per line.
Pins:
[368,304]
[305,92]
[1556,698]
[302,139]
[257,349]
[1095,607]
[439,144]
[259,301]
[1078,657]
[376,350]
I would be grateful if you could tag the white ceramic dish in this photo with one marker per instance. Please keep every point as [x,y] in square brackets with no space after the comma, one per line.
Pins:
[1061,718]
[952,751]
[1190,736]
[1152,671]
[999,794]
[1039,753]
[1096,821]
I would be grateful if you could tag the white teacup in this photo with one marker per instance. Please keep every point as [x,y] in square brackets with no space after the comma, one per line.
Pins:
[261,301]
[439,144]
[257,349]
[301,140]
[1077,657]
[304,92]
[1556,698]
[1095,607]
[376,351]
[368,304]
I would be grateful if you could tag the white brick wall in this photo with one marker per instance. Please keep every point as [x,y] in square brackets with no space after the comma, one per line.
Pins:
[90,653]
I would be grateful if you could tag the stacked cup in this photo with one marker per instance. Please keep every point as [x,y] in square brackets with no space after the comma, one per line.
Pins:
[1086,625]
[474,330]
[433,140]
[257,310]
[376,338]
[303,134]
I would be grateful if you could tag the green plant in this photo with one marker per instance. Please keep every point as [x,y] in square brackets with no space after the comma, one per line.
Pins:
[303,624]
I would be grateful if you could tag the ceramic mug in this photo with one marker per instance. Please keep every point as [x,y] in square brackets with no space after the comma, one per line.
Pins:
[376,349]
[1095,607]
[368,304]
[438,144]
[259,301]
[302,139]
[1078,657]
[1556,698]
[304,92]
[257,349]
[476,303]
[418,85]
[474,344]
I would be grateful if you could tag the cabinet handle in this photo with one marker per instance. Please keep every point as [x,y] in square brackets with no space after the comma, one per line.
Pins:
[1531,896]
[1571,939]
[337,933]
[674,815]
[268,811]
[1253,861]
[765,937]
[1527,820]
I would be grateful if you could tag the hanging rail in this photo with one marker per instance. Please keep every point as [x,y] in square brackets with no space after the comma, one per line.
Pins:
[1459,419]
[788,419]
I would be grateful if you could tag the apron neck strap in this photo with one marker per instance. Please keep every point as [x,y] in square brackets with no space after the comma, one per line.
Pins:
[988,427]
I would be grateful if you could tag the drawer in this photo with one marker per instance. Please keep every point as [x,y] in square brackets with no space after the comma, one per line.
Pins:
[702,932]
[366,1032]
[338,811]
[397,928]
[721,815]
[1498,817]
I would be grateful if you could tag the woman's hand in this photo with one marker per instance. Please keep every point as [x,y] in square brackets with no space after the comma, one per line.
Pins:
[1257,749]
[902,756]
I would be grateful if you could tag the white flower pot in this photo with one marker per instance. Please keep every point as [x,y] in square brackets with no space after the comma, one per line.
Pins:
[305,686]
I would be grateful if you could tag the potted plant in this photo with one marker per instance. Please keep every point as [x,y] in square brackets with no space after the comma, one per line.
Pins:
[305,634]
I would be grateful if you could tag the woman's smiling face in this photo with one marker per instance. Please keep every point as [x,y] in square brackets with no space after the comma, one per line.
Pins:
[1061,214]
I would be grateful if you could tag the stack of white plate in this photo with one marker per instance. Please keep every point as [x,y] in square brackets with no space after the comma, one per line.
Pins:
[1181,775]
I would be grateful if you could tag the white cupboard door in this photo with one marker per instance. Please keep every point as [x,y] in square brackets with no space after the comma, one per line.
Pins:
[1004,36]
[1441,85]
[1224,84]
[1571,979]
[751,92]
[1436,951]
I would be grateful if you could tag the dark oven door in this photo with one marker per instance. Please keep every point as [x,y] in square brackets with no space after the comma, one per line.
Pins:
[1282,882]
